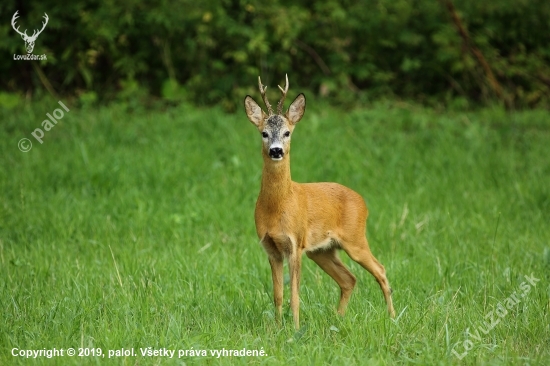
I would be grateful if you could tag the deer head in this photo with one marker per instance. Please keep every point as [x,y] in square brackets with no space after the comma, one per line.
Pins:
[275,128]
[29,40]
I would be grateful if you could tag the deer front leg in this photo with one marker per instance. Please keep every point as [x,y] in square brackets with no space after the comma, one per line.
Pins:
[295,264]
[277,276]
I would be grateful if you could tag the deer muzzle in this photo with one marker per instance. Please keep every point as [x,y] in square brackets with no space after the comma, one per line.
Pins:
[276,152]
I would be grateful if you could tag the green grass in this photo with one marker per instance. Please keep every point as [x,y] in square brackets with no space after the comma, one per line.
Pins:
[129,230]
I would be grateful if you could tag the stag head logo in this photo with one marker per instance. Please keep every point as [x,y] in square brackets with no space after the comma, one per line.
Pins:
[29,40]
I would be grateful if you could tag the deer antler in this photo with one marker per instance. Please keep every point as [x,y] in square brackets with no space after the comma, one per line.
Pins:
[15,16]
[43,25]
[24,34]
[280,105]
[264,97]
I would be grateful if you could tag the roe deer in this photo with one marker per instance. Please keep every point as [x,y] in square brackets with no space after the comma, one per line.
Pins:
[317,218]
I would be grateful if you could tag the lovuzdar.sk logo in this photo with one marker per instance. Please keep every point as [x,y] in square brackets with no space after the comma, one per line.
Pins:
[29,40]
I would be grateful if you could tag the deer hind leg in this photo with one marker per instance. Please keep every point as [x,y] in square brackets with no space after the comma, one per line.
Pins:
[362,255]
[329,262]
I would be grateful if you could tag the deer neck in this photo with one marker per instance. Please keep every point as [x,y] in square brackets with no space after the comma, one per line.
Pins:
[276,182]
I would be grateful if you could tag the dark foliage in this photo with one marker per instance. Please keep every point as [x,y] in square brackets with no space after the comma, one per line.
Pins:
[211,52]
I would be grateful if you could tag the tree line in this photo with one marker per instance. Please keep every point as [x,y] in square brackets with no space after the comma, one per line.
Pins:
[211,52]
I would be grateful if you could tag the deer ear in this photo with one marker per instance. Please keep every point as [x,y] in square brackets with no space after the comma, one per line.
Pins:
[253,111]
[296,110]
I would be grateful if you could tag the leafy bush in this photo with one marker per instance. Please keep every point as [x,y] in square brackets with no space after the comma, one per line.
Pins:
[211,52]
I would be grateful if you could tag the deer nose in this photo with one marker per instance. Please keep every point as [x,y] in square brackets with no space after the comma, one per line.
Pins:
[276,152]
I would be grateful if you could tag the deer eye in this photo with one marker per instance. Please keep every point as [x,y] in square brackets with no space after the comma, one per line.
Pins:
[265,135]
[287,134]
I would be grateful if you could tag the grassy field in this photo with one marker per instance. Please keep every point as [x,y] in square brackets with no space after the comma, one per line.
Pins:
[134,229]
